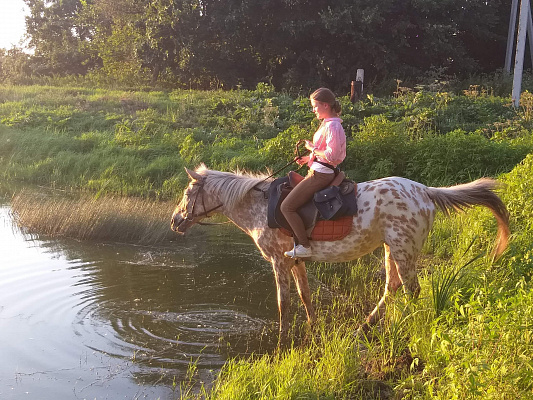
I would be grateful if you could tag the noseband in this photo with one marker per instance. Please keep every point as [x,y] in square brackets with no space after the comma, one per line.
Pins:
[191,216]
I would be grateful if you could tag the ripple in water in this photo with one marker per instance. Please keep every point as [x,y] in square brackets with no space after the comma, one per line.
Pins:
[86,320]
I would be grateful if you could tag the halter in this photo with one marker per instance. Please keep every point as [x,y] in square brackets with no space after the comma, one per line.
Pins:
[191,216]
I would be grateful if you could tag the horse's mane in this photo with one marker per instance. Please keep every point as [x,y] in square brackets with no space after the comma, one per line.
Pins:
[230,187]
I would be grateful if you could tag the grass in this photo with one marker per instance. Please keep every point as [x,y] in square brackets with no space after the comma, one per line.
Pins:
[119,219]
[116,159]
[130,143]
[445,282]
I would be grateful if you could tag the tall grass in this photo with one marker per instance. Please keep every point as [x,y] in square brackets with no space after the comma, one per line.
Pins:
[445,282]
[123,219]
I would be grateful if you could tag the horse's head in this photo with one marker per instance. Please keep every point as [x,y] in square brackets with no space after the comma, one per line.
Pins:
[195,205]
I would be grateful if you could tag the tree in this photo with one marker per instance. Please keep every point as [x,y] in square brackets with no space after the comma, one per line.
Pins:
[289,43]
[14,65]
[55,36]
[114,38]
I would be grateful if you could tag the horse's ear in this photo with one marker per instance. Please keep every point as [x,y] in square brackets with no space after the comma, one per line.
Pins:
[193,175]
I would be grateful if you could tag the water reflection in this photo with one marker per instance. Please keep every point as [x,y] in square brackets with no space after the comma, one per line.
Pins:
[103,320]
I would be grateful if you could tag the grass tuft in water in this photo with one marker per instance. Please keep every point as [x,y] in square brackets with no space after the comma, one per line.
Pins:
[119,219]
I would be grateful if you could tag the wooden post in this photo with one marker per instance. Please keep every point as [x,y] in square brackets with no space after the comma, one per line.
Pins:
[520,50]
[357,86]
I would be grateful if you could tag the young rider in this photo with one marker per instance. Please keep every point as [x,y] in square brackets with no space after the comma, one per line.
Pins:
[328,149]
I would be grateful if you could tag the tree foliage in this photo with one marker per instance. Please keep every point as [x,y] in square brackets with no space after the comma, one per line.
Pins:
[55,35]
[288,43]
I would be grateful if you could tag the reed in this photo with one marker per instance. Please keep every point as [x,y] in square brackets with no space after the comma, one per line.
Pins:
[119,219]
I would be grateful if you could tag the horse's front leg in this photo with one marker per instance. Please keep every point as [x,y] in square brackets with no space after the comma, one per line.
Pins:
[283,285]
[300,278]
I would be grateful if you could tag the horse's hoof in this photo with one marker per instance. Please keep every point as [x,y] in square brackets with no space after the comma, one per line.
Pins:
[362,331]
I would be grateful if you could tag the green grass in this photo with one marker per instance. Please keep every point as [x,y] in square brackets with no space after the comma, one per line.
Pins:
[136,143]
[468,336]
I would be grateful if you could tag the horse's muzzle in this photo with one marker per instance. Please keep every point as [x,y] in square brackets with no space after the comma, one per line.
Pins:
[179,224]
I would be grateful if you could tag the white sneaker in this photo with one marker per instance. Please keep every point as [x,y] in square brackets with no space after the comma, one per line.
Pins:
[299,251]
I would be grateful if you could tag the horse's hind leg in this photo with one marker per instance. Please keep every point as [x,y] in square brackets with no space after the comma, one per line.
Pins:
[392,284]
[299,274]
[406,266]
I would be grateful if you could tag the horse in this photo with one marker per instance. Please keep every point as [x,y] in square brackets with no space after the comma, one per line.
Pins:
[395,212]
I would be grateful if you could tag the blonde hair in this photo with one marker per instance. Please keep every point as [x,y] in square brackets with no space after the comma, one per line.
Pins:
[325,95]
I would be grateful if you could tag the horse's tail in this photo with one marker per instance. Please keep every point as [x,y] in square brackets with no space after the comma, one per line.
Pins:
[479,192]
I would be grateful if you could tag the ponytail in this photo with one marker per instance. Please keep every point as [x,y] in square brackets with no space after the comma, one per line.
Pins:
[337,107]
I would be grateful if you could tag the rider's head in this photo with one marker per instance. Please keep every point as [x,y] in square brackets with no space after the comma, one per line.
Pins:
[324,95]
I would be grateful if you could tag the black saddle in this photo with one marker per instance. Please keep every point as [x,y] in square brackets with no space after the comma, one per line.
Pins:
[330,203]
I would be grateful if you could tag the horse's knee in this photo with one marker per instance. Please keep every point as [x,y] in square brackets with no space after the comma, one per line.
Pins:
[410,282]
[300,278]
[407,275]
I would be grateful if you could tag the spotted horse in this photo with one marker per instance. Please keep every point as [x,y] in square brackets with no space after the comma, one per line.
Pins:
[395,212]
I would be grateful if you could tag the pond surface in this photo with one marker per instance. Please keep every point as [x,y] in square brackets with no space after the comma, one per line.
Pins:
[82,320]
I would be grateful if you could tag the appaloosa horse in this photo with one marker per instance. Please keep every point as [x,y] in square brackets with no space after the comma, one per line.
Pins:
[395,212]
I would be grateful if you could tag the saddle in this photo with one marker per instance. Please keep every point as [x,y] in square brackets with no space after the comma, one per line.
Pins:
[327,216]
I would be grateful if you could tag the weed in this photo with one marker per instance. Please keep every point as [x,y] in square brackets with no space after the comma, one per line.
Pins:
[446,281]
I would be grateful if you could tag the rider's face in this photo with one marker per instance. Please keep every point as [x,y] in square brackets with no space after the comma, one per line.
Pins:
[321,110]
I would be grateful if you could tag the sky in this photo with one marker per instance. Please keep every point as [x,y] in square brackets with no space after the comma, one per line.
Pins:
[12,24]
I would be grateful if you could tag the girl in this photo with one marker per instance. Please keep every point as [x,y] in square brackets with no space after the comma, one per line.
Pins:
[328,149]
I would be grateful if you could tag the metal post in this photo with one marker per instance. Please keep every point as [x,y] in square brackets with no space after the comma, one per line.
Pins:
[510,36]
[530,34]
[520,50]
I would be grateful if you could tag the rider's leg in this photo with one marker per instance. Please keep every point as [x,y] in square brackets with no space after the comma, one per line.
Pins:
[302,193]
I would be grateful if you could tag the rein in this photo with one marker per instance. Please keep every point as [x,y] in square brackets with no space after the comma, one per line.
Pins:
[205,213]
[297,157]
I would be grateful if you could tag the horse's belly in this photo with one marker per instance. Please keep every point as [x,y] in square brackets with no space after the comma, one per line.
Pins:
[350,248]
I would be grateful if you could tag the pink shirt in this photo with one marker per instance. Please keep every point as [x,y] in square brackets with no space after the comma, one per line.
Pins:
[331,139]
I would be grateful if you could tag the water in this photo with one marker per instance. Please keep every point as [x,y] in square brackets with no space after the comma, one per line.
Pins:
[81,320]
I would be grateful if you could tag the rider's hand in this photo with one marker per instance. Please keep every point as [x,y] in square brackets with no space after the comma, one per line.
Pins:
[302,160]
[309,145]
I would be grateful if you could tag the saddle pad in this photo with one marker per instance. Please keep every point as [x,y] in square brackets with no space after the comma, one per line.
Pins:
[329,230]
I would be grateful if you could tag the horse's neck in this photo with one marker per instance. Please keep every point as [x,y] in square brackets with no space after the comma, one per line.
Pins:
[250,214]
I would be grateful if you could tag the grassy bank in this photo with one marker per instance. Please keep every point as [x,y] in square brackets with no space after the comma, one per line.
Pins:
[137,143]
[470,333]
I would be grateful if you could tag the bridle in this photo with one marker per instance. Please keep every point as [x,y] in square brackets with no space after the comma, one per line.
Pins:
[191,216]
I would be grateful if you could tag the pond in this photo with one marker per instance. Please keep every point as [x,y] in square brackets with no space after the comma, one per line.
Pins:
[94,320]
